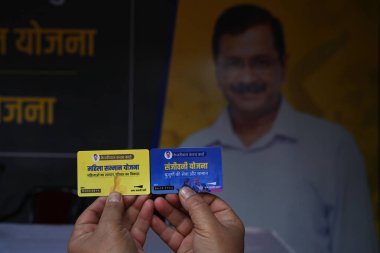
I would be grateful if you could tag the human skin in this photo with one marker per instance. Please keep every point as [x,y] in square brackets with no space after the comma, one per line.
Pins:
[250,75]
[198,223]
[115,224]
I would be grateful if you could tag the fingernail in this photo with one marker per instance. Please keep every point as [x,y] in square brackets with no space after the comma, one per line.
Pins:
[186,192]
[114,197]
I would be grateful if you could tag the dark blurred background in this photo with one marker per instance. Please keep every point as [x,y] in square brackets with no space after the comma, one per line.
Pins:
[107,98]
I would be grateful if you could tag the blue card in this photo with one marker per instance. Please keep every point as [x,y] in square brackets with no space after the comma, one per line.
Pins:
[198,168]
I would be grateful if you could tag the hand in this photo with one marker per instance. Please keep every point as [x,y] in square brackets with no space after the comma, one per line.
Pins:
[115,224]
[198,223]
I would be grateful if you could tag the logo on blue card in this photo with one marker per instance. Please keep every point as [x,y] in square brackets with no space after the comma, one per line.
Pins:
[168,154]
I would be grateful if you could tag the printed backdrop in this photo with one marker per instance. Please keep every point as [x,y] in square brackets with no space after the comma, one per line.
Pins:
[332,69]
[75,75]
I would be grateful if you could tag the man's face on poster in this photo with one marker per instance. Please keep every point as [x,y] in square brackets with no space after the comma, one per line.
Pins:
[249,70]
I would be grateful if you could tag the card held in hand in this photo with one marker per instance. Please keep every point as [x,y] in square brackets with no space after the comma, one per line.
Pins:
[197,168]
[103,171]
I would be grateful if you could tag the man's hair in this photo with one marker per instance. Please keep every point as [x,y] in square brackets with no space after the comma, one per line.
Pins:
[240,18]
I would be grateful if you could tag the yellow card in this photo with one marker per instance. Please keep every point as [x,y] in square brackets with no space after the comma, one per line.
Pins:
[103,171]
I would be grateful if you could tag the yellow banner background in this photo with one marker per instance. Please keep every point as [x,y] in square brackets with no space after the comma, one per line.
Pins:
[332,51]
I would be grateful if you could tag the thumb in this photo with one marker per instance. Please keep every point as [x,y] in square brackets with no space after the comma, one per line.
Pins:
[199,211]
[113,210]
